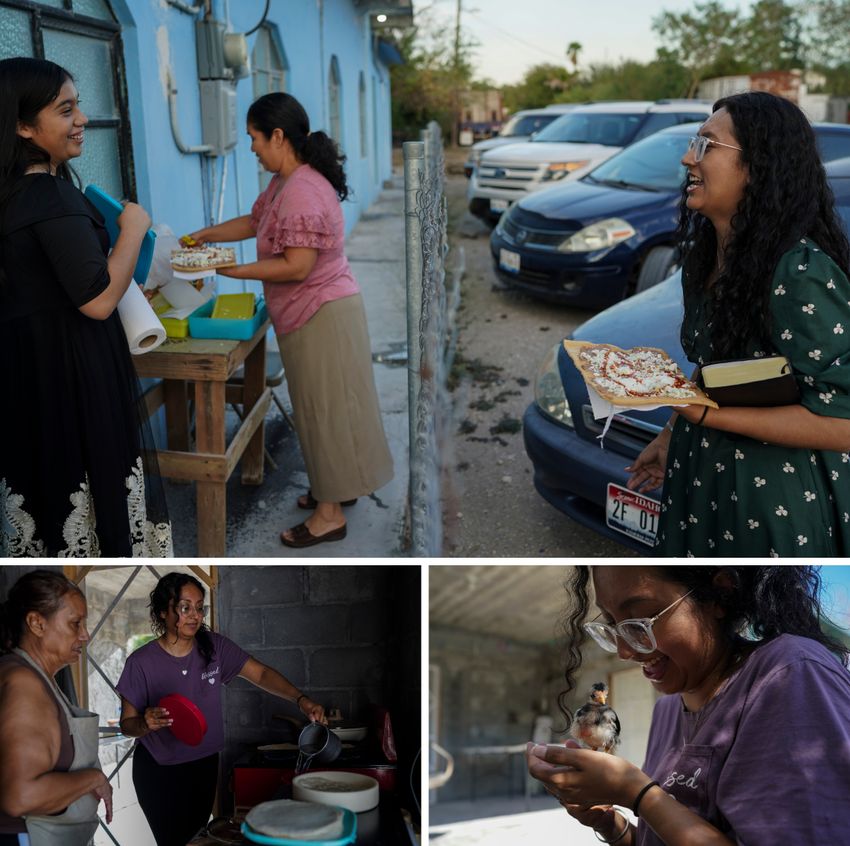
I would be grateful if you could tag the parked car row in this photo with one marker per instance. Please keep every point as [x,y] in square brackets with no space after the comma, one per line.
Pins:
[570,147]
[519,127]
[571,471]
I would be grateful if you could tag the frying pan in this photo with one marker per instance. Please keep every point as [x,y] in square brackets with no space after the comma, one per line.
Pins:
[189,725]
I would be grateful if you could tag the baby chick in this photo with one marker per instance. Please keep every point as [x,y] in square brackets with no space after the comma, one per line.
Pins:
[595,725]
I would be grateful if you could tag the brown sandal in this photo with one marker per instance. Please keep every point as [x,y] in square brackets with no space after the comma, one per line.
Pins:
[308,503]
[302,536]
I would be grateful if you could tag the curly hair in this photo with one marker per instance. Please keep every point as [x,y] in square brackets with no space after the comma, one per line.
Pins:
[786,198]
[761,604]
[41,591]
[165,596]
[279,110]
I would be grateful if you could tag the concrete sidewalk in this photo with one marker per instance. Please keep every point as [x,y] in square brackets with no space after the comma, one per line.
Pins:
[376,525]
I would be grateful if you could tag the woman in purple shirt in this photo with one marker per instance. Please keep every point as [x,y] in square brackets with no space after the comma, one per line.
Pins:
[750,743]
[317,311]
[175,783]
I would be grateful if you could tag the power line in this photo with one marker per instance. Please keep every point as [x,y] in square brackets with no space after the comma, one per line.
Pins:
[512,36]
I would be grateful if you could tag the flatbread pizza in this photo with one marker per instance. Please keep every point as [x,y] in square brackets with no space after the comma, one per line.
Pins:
[289,819]
[193,259]
[635,377]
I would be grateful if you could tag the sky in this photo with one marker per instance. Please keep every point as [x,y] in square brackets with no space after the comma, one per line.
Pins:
[836,591]
[513,35]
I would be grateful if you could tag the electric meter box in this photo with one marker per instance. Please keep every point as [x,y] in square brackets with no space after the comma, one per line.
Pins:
[218,115]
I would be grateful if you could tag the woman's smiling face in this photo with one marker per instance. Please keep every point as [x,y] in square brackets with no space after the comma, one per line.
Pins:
[691,653]
[59,127]
[717,183]
[185,625]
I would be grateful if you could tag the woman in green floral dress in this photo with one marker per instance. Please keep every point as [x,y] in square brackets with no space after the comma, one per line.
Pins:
[765,272]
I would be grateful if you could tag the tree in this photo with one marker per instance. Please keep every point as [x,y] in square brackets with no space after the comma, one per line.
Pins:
[541,85]
[573,49]
[773,36]
[435,68]
[706,41]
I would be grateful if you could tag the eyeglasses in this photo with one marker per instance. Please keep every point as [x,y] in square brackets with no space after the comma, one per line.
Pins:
[184,609]
[698,144]
[637,633]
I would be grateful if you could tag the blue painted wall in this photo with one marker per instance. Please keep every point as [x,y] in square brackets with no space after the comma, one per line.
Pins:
[158,37]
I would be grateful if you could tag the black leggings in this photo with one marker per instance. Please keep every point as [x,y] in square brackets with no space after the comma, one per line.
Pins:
[176,799]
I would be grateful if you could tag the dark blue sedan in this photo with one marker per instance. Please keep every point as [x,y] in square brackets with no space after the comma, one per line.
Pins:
[602,238]
[586,243]
[572,470]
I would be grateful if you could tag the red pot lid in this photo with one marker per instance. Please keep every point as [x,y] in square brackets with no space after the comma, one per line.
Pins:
[189,724]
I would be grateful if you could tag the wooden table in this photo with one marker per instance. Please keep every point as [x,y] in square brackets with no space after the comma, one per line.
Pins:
[208,364]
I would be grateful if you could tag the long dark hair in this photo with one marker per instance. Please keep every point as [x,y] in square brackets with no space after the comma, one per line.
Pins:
[762,603]
[26,87]
[165,596]
[317,149]
[786,198]
[41,591]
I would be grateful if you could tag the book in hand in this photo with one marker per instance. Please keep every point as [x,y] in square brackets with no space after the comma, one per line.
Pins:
[751,382]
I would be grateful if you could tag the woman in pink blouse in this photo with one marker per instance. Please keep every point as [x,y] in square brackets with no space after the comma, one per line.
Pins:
[317,311]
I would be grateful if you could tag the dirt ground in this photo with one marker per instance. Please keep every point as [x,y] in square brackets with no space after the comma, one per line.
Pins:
[490,505]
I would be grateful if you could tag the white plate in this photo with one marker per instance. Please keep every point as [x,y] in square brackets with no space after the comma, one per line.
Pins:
[361,793]
[633,514]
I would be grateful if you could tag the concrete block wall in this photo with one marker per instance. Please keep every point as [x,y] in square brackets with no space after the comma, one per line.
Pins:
[491,691]
[346,635]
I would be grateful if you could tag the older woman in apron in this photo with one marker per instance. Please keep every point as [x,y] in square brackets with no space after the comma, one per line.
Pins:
[50,778]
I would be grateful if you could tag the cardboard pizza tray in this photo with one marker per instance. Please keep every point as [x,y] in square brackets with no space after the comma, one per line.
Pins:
[574,348]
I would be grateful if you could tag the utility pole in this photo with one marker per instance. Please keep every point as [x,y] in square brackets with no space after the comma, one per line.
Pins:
[456,98]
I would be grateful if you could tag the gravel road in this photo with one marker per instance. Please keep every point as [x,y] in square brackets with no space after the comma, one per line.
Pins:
[490,505]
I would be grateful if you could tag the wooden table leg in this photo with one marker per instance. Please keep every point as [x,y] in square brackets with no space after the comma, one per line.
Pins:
[176,414]
[211,496]
[253,387]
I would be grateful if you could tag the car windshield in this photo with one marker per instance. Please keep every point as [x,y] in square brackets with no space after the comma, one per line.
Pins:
[653,164]
[526,124]
[833,145]
[612,130]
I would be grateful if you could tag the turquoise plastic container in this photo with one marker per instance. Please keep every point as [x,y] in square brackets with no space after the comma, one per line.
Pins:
[202,324]
[349,834]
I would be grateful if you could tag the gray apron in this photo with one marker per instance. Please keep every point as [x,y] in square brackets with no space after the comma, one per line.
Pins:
[77,824]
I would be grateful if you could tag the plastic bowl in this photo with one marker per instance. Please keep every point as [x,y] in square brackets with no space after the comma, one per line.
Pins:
[361,793]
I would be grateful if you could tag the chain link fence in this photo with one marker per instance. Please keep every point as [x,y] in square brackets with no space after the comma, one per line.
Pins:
[433,295]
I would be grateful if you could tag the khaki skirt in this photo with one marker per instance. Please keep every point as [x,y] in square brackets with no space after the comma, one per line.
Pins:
[328,364]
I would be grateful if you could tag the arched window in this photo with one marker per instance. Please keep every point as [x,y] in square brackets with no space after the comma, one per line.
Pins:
[268,61]
[335,101]
[91,51]
[364,123]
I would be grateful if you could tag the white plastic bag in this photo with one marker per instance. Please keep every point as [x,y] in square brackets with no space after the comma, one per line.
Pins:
[161,272]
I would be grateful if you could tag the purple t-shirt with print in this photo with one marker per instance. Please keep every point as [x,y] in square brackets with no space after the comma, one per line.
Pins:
[151,673]
[767,760]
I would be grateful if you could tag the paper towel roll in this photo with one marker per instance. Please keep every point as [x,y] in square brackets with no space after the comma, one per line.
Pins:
[141,325]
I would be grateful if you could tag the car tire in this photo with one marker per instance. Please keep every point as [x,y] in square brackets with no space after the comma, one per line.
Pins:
[660,262]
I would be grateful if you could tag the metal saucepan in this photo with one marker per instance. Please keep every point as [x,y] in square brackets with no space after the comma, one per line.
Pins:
[318,744]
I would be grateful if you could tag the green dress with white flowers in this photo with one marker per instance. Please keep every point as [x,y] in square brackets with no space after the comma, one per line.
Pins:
[729,495]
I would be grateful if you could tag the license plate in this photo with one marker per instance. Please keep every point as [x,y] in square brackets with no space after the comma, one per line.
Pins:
[509,260]
[632,513]
[499,205]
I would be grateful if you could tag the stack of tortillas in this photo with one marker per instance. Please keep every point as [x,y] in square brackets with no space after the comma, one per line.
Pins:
[289,819]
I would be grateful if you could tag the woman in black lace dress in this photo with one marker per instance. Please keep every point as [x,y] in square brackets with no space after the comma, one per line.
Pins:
[74,444]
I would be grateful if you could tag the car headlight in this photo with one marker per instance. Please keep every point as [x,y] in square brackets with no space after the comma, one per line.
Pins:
[598,236]
[549,390]
[474,157]
[558,170]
